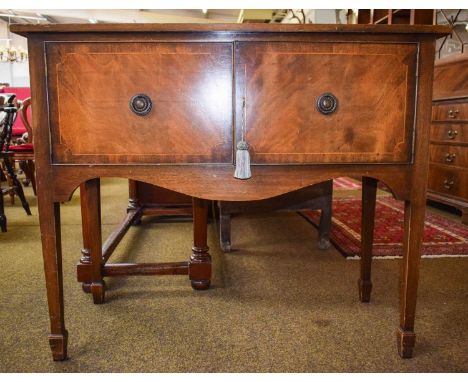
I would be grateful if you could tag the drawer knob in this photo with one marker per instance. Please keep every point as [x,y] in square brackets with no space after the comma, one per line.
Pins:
[141,104]
[326,103]
[448,184]
[449,158]
[453,113]
[452,134]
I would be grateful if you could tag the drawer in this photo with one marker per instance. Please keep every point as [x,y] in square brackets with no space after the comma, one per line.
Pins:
[453,133]
[449,155]
[91,85]
[448,180]
[450,112]
[373,85]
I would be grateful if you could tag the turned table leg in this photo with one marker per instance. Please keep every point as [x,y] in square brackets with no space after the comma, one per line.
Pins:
[200,261]
[92,239]
[369,193]
[412,244]
[49,218]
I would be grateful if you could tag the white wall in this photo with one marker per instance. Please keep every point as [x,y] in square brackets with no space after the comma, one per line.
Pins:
[15,74]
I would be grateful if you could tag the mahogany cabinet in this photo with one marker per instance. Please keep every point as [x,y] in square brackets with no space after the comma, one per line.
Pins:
[322,101]
[448,171]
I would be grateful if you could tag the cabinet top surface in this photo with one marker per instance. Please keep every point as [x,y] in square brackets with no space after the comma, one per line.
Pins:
[437,30]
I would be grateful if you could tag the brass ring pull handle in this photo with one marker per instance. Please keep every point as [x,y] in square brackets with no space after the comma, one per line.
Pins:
[453,113]
[449,158]
[326,103]
[448,184]
[141,104]
[452,134]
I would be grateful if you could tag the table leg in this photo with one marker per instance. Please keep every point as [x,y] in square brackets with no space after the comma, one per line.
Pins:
[224,230]
[90,193]
[200,261]
[325,220]
[369,193]
[3,219]
[412,243]
[49,219]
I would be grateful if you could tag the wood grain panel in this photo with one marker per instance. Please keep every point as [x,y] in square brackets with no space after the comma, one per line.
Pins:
[454,133]
[448,180]
[374,84]
[91,84]
[449,155]
[451,77]
[450,112]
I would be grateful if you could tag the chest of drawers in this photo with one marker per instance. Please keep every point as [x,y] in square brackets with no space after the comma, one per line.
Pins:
[163,104]
[448,172]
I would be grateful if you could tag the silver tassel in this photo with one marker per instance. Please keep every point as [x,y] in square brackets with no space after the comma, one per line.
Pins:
[242,153]
[242,161]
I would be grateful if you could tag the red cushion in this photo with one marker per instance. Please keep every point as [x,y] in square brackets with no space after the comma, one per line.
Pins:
[22,147]
[18,131]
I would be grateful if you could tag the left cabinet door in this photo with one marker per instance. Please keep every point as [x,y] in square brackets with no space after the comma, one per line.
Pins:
[91,86]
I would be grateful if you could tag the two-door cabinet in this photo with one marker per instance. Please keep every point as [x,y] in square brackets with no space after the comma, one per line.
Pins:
[180,106]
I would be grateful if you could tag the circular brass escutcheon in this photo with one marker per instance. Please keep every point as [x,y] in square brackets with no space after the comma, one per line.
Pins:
[326,103]
[141,104]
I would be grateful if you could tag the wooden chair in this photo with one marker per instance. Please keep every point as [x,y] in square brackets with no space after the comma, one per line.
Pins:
[10,110]
[24,153]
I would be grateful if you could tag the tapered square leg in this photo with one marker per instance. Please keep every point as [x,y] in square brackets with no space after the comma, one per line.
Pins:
[49,218]
[200,261]
[414,228]
[369,193]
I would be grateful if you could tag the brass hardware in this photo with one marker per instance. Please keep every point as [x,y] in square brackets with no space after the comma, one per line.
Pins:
[448,184]
[141,104]
[452,134]
[453,113]
[326,103]
[450,157]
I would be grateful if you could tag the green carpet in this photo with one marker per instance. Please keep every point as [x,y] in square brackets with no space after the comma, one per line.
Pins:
[277,303]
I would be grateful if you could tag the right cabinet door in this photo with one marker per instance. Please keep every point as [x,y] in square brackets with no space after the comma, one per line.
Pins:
[365,116]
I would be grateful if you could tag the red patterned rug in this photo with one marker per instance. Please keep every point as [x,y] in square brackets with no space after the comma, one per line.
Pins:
[345,183]
[442,237]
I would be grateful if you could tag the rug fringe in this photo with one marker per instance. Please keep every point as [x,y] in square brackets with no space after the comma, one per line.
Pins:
[399,257]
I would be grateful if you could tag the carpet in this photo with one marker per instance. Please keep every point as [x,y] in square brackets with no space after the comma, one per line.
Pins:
[346,184]
[442,237]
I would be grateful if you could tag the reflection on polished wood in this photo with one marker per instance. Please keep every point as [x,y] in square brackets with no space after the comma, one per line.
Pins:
[194,76]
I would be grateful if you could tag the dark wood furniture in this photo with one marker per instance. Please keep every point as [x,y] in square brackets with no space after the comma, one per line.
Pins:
[9,109]
[150,200]
[396,16]
[448,170]
[316,197]
[24,153]
[329,101]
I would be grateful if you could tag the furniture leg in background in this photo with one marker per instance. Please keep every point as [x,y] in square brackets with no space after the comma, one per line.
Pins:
[16,185]
[94,266]
[315,197]
[200,261]
[90,195]
[369,193]
[3,219]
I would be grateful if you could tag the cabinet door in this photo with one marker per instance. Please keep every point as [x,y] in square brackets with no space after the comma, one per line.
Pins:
[91,85]
[374,85]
